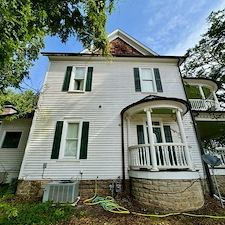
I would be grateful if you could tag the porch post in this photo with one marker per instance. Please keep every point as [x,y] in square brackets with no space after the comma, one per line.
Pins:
[128,131]
[201,92]
[216,100]
[184,140]
[151,140]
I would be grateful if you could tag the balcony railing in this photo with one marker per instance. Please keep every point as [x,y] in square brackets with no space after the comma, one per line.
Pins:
[200,104]
[168,156]
[220,153]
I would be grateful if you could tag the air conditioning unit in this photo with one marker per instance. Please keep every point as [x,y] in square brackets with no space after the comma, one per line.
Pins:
[62,192]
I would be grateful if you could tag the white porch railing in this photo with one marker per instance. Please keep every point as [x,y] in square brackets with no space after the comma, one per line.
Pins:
[168,155]
[200,104]
[220,153]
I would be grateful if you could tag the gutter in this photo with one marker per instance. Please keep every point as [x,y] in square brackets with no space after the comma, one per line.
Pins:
[211,186]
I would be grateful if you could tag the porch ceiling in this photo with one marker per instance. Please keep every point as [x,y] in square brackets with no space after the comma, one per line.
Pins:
[211,129]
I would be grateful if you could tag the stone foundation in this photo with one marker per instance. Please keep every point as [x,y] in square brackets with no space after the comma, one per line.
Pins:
[175,195]
[87,187]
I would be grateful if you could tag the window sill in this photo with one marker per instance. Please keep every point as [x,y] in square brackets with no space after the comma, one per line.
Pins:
[68,160]
[75,91]
[149,92]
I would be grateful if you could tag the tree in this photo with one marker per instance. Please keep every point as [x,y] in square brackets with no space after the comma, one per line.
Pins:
[25,23]
[207,58]
[25,102]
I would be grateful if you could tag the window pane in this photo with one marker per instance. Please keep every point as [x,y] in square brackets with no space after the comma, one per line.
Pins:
[72,130]
[79,85]
[11,140]
[80,72]
[147,86]
[146,74]
[71,148]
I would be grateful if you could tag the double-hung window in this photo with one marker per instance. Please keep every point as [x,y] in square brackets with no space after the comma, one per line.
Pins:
[70,140]
[147,80]
[78,79]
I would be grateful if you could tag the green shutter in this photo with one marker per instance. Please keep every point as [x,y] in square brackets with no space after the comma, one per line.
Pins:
[57,140]
[89,79]
[137,79]
[84,141]
[168,134]
[158,80]
[66,82]
[140,134]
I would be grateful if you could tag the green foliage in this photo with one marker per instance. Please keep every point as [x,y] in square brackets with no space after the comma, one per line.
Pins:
[207,58]
[25,23]
[24,102]
[17,211]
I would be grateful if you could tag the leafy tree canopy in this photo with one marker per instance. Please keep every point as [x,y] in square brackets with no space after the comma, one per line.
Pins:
[207,58]
[25,23]
[25,102]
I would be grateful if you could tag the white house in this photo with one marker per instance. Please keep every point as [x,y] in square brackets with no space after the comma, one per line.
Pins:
[124,117]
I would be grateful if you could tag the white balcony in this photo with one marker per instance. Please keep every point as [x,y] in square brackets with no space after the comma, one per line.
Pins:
[200,104]
[168,156]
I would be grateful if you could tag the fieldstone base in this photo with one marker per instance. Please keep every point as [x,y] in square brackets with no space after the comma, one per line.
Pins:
[175,195]
[86,187]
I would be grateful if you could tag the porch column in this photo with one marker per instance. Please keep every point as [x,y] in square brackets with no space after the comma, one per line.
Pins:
[201,92]
[151,140]
[184,140]
[128,131]
[216,100]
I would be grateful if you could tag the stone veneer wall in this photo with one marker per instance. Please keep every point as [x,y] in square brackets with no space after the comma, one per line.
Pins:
[221,184]
[86,187]
[176,195]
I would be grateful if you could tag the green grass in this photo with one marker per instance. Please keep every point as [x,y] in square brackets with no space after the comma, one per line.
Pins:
[15,210]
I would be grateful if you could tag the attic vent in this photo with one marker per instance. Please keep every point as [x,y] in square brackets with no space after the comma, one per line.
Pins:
[62,192]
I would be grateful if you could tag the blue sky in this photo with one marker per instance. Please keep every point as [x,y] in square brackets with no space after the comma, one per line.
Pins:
[168,27]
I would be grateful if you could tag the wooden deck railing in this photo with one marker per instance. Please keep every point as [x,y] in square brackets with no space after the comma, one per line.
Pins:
[200,104]
[168,155]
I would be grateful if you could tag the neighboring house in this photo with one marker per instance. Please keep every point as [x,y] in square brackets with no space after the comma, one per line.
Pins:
[124,118]
[13,139]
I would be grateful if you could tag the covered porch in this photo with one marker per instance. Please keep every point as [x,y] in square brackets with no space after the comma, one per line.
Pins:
[156,138]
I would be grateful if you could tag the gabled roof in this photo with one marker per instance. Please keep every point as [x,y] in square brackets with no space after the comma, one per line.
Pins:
[130,41]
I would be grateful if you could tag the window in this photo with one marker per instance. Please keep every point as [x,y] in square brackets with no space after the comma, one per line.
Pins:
[162,133]
[11,139]
[78,79]
[70,140]
[147,80]
[70,143]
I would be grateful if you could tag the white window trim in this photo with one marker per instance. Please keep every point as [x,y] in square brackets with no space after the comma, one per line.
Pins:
[153,80]
[63,138]
[4,134]
[71,85]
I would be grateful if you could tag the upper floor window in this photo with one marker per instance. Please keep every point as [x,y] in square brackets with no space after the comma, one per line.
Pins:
[147,80]
[78,79]
[11,139]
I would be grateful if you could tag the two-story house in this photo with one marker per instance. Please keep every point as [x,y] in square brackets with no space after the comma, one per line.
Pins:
[125,118]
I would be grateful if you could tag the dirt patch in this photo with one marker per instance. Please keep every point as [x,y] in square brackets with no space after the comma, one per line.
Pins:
[95,214]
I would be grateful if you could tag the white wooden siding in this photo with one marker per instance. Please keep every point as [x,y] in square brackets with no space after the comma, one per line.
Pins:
[112,90]
[11,158]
